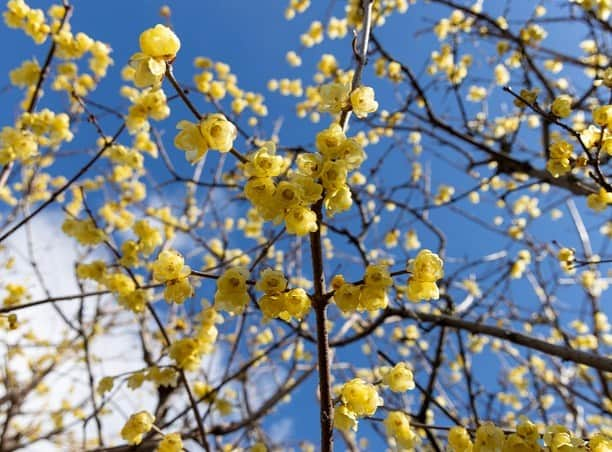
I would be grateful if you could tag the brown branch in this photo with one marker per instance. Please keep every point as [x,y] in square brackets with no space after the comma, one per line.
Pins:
[588,359]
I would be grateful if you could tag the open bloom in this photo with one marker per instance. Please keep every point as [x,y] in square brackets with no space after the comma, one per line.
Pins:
[158,46]
[426,269]
[218,132]
[137,425]
[159,42]
[360,397]
[362,100]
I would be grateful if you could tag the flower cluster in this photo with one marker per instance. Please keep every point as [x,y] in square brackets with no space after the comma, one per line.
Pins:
[25,75]
[338,155]
[50,129]
[84,231]
[279,302]
[145,104]
[212,132]
[369,296]
[288,200]
[559,160]
[489,437]
[44,128]
[15,294]
[170,268]
[336,97]
[148,238]
[359,399]
[16,144]
[187,352]
[566,258]
[31,21]
[425,269]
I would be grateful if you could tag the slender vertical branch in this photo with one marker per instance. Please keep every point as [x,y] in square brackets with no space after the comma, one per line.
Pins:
[319,299]
[320,308]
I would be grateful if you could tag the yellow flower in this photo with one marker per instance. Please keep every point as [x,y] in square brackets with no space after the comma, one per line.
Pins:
[565,255]
[288,194]
[185,353]
[297,303]
[309,164]
[347,297]
[360,397]
[105,385]
[178,290]
[162,377]
[148,71]
[137,425]
[218,132]
[271,281]
[120,284]
[190,140]
[599,201]
[95,270]
[425,270]
[602,116]
[502,76]
[300,220]
[25,75]
[339,200]
[170,265]
[171,443]
[334,97]
[85,231]
[562,106]
[333,174]
[373,298]
[345,419]
[559,158]
[231,294]
[488,438]
[459,440]
[397,424]
[17,145]
[272,305]
[160,42]
[135,300]
[263,162]
[377,275]
[362,101]
[400,378]
[329,141]
[149,237]
[600,443]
